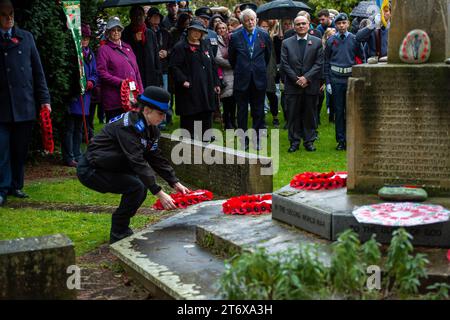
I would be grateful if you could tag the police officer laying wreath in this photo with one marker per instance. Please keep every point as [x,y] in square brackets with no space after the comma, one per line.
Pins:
[124,159]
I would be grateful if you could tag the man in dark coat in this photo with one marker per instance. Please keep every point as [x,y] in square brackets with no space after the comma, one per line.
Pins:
[249,54]
[124,158]
[170,21]
[143,42]
[164,42]
[22,80]
[301,66]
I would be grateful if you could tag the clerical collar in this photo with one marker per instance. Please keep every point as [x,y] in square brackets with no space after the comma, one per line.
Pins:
[303,38]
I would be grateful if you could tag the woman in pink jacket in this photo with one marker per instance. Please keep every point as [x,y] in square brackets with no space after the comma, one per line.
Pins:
[116,63]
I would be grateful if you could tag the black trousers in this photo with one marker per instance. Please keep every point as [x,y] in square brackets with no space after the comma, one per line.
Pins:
[229,112]
[188,123]
[273,103]
[127,184]
[15,138]
[255,98]
[301,112]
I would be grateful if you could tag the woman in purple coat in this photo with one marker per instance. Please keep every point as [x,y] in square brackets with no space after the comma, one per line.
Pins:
[116,62]
[74,130]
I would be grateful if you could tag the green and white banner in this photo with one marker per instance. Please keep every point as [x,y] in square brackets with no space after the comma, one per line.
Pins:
[72,11]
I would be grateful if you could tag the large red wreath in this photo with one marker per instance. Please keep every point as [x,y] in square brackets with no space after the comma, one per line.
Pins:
[184,200]
[248,204]
[47,130]
[126,94]
[319,181]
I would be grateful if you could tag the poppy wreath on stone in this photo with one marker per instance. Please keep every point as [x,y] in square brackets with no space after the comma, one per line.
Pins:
[248,205]
[125,93]
[47,130]
[319,181]
[183,201]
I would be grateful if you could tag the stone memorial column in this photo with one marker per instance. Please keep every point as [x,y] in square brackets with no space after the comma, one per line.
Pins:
[398,114]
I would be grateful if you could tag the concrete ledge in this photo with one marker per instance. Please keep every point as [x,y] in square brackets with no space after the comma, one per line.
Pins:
[168,261]
[36,268]
[182,256]
[233,172]
[329,213]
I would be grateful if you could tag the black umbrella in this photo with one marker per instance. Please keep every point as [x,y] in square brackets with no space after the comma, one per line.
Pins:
[281,9]
[125,3]
[365,9]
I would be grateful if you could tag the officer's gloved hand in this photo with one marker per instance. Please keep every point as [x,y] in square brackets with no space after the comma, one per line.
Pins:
[329,90]
[167,202]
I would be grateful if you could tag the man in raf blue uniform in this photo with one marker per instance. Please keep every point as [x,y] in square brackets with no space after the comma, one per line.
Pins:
[376,35]
[124,159]
[340,55]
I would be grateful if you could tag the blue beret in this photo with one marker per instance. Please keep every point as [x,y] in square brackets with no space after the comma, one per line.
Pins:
[341,17]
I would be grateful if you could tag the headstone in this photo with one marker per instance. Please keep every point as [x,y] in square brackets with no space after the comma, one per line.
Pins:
[416,47]
[37,268]
[432,16]
[230,173]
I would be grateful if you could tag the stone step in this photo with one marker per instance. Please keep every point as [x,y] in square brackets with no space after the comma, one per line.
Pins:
[183,256]
[166,259]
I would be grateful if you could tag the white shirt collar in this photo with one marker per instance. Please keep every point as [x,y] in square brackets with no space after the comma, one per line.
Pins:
[304,38]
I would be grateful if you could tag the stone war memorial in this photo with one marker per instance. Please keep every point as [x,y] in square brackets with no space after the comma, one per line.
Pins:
[398,131]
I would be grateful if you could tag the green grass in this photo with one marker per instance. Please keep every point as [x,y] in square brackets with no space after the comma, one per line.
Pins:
[72,191]
[86,230]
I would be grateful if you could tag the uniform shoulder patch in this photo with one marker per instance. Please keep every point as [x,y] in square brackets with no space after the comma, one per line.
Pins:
[139,125]
[117,118]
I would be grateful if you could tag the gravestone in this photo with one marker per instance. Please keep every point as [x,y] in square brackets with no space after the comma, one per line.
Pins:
[223,171]
[36,268]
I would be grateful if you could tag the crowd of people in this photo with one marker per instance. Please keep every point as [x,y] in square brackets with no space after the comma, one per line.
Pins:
[220,64]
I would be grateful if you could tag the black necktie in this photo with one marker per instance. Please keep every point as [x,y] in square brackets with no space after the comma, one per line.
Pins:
[6,37]
[250,45]
[302,45]
[342,36]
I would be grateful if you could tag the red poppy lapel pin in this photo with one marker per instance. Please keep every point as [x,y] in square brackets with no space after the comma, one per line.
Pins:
[15,40]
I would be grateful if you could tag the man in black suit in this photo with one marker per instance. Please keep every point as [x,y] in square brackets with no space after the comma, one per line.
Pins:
[301,66]
[249,53]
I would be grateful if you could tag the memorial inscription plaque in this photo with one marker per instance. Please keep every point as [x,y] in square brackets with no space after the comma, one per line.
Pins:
[399,127]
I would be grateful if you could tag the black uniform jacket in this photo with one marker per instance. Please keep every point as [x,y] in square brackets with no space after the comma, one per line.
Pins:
[128,144]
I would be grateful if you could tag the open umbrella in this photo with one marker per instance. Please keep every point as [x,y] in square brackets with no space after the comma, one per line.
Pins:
[125,3]
[281,9]
[365,9]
